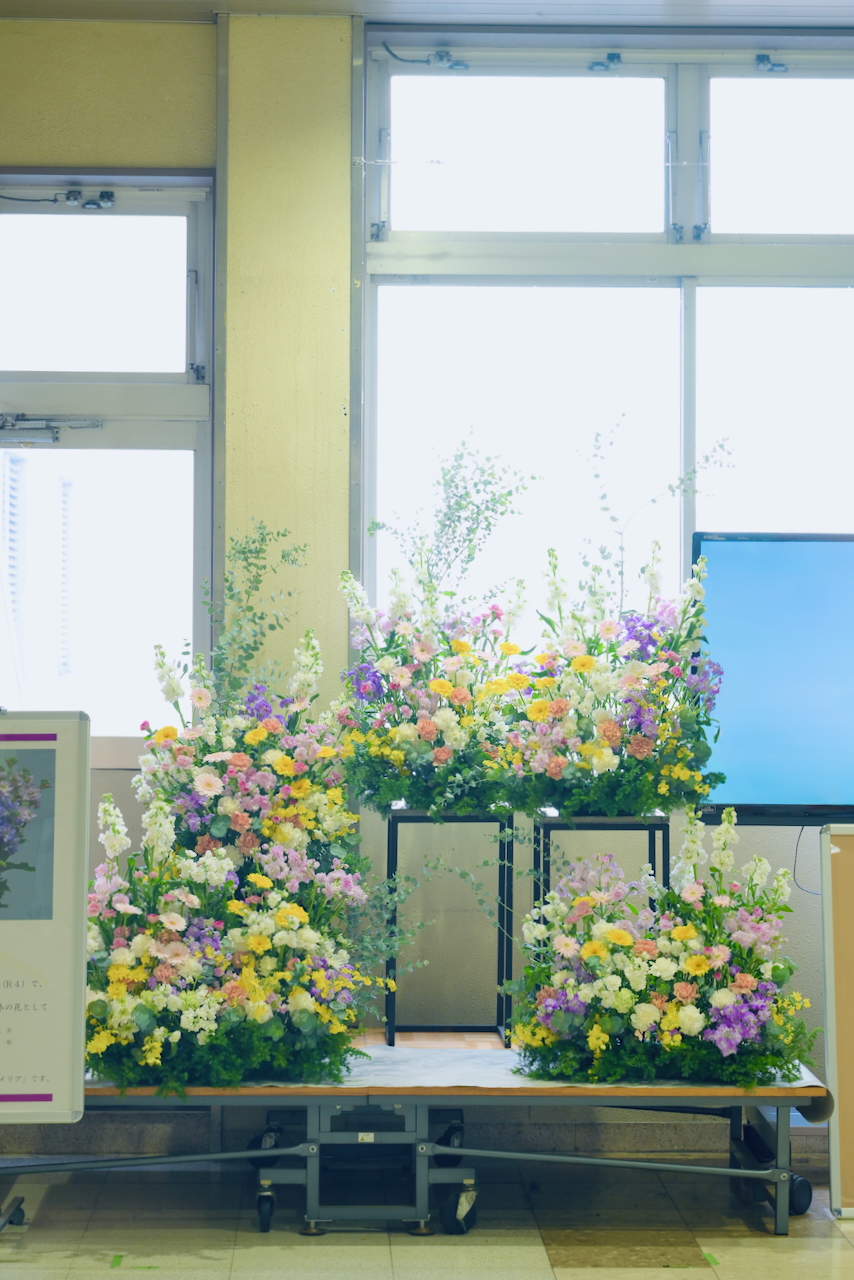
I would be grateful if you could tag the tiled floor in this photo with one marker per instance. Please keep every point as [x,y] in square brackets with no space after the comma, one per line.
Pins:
[535,1222]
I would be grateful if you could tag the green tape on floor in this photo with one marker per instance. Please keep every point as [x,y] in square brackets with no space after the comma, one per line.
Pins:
[711,1259]
[117,1260]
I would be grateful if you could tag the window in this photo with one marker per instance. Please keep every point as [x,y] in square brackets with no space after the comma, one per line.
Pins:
[105,448]
[655,248]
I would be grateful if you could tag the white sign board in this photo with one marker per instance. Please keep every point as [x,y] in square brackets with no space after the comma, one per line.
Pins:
[44,837]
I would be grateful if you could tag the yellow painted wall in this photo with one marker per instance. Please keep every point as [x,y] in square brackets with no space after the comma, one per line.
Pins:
[107,94]
[287,355]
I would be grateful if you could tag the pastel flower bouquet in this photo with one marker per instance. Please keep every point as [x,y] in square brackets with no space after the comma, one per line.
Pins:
[614,713]
[422,715]
[691,988]
[208,971]
[220,951]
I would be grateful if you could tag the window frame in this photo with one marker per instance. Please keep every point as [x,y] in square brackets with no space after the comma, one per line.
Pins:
[141,411]
[687,256]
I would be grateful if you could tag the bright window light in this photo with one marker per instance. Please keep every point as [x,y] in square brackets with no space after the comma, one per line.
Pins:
[93,294]
[529,376]
[773,376]
[523,153]
[81,603]
[781,157]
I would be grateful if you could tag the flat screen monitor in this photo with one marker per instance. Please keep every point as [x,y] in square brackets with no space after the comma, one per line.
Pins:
[780,621]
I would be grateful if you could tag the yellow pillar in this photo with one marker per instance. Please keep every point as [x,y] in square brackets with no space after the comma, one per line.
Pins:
[286,326]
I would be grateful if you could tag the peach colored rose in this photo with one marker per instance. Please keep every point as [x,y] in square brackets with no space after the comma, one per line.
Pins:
[645,947]
[639,747]
[659,1000]
[240,760]
[559,707]
[428,730]
[460,697]
[247,842]
[686,991]
[744,982]
[441,755]
[556,766]
[611,732]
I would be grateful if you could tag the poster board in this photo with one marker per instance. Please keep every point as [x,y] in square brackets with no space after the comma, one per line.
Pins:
[837,888]
[44,837]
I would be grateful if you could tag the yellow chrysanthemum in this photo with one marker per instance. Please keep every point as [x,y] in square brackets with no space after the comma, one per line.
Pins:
[100,1041]
[683,932]
[517,681]
[443,687]
[263,882]
[620,937]
[167,734]
[254,736]
[538,710]
[259,943]
[594,948]
[290,913]
[460,646]
[584,662]
[697,965]
[509,649]
[284,766]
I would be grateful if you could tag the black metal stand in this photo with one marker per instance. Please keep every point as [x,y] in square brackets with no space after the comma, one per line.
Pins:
[504,959]
[544,826]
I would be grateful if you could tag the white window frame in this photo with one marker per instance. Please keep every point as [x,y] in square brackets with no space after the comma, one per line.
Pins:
[161,411]
[687,253]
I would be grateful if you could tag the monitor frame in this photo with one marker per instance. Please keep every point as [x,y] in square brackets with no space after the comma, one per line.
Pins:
[773,815]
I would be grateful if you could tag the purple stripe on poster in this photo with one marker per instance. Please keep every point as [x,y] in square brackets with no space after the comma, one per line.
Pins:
[27,737]
[26,1097]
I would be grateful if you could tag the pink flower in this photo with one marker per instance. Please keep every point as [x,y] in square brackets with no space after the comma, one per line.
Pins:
[423,650]
[184,895]
[240,821]
[428,730]
[719,955]
[460,697]
[206,843]
[441,755]
[566,947]
[693,892]
[122,904]
[173,921]
[722,900]
[686,991]
[183,760]
[609,629]
[744,982]
[645,947]
[574,648]
[207,783]
[200,698]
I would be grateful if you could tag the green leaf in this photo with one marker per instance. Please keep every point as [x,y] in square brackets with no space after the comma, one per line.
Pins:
[99,1009]
[220,825]
[144,1019]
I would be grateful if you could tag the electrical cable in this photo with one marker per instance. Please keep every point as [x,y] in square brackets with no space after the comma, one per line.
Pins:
[816,893]
[424,62]
[32,200]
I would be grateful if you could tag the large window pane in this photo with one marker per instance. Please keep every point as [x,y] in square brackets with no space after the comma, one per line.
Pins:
[530,376]
[774,376]
[96,561]
[781,156]
[93,294]
[523,153]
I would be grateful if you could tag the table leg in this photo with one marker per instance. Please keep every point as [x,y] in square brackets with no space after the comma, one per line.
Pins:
[782,1160]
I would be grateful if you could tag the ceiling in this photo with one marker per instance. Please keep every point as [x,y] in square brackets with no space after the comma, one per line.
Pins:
[693,14]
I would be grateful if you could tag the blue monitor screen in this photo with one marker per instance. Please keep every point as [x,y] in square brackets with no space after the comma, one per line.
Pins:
[780,621]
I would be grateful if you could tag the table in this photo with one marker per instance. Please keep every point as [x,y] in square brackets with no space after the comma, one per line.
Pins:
[387,1102]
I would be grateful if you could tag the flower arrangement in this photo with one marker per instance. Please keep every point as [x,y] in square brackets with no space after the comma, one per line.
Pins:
[421,719]
[220,953]
[209,971]
[20,797]
[692,989]
[610,717]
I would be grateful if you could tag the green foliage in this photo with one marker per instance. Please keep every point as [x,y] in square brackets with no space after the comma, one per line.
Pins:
[474,495]
[244,619]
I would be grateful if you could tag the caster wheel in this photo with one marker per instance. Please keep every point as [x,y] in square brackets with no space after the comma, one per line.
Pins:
[452,1137]
[270,1138]
[265,1206]
[800,1195]
[17,1218]
[451,1224]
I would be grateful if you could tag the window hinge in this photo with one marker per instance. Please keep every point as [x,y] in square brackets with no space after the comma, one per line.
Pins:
[700,229]
[19,427]
[198,371]
[677,232]
[378,230]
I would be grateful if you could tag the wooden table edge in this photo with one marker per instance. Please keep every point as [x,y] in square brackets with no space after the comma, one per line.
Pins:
[793,1092]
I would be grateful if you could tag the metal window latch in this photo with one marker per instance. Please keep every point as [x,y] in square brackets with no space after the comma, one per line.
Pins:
[764,63]
[18,426]
[700,229]
[198,372]
[378,230]
[611,61]
[677,232]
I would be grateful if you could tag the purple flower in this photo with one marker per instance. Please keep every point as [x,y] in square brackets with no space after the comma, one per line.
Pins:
[367,682]
[257,704]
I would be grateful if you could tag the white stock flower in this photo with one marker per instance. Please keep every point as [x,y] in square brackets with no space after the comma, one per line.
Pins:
[158,825]
[114,833]
[357,600]
[757,871]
